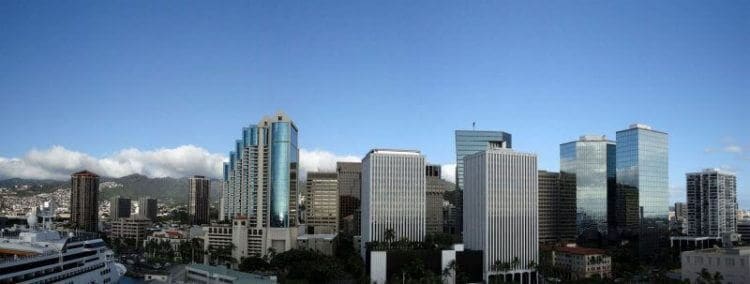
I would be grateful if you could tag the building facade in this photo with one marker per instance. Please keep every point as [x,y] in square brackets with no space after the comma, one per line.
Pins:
[711,203]
[501,215]
[642,169]
[732,263]
[119,207]
[472,141]
[322,203]
[84,201]
[198,204]
[393,195]
[590,163]
[148,207]
[434,199]
[261,181]
[679,223]
[557,209]
[582,262]
[349,183]
[133,228]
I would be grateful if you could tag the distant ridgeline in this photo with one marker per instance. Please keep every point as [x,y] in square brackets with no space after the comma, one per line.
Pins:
[168,190]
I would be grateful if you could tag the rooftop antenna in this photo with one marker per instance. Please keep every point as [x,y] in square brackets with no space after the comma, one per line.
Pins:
[473,125]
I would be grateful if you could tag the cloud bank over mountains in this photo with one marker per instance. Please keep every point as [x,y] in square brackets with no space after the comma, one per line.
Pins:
[58,163]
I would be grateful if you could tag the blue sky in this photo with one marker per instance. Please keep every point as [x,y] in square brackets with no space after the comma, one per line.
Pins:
[97,77]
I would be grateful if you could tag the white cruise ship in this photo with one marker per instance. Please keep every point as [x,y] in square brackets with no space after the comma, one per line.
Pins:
[42,255]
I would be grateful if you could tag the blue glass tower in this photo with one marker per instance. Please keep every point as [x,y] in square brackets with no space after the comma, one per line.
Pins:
[260,180]
[643,186]
[589,163]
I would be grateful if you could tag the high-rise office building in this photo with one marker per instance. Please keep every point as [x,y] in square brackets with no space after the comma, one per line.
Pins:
[350,183]
[322,203]
[469,142]
[148,208]
[590,162]
[119,207]
[84,201]
[434,199]
[500,206]
[680,217]
[393,195]
[472,141]
[200,187]
[711,203]
[261,181]
[643,186]
[557,209]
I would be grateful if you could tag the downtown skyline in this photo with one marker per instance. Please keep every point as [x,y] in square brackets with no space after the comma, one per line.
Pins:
[680,70]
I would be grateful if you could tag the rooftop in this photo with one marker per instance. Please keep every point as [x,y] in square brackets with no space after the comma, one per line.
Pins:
[317,236]
[241,277]
[394,151]
[85,173]
[580,250]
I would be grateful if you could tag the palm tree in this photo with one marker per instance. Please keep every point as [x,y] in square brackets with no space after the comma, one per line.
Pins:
[531,265]
[449,270]
[390,235]
[515,262]
[707,278]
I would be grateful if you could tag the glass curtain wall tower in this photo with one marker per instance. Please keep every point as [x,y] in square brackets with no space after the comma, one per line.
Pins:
[643,186]
[261,181]
[589,165]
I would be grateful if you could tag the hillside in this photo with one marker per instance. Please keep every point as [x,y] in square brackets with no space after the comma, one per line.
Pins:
[168,190]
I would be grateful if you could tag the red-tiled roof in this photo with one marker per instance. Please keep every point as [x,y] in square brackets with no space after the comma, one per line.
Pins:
[580,250]
[85,173]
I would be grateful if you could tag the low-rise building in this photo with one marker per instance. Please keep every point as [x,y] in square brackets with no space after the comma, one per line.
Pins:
[583,262]
[201,273]
[732,263]
[133,227]
[323,243]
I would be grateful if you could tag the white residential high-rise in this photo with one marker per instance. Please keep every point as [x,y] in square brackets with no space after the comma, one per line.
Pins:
[500,212]
[261,182]
[393,195]
[711,203]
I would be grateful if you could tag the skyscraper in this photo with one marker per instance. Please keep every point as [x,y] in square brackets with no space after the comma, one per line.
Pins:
[119,207]
[500,202]
[198,205]
[393,195]
[434,199]
[148,208]
[322,203]
[711,203]
[84,201]
[261,181]
[643,186]
[471,141]
[557,209]
[349,182]
[590,161]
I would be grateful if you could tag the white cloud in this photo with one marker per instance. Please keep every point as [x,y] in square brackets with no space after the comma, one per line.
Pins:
[448,172]
[58,163]
[322,161]
[737,149]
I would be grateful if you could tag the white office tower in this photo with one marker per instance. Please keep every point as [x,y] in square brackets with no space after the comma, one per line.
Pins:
[500,213]
[393,195]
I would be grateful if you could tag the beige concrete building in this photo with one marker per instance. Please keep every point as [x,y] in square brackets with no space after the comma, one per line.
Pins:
[323,243]
[435,187]
[732,263]
[322,203]
[583,262]
[134,227]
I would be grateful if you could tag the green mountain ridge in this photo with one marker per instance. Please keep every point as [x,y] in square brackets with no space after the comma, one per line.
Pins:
[167,190]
